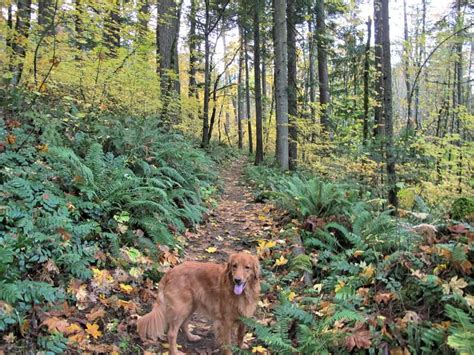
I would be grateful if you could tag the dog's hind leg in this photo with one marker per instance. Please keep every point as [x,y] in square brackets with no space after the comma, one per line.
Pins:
[180,312]
[185,328]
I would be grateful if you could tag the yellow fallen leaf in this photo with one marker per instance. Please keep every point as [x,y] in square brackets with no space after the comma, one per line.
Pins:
[291,296]
[262,218]
[264,244]
[93,330]
[318,287]
[259,350]
[211,250]
[358,253]
[368,271]
[281,261]
[126,288]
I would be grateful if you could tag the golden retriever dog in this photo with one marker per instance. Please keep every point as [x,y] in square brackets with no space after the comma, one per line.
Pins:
[221,292]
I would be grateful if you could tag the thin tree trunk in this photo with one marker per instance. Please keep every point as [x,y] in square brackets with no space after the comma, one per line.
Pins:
[322,65]
[112,28]
[378,112]
[143,18]
[406,59]
[312,79]
[20,38]
[387,106]
[366,83]
[292,102]
[247,94]
[45,15]
[281,81]
[421,54]
[240,91]
[258,91]
[207,75]
[192,43]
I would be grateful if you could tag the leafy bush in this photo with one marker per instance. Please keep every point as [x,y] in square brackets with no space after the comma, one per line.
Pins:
[77,188]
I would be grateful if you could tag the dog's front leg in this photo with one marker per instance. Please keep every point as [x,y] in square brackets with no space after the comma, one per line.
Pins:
[241,334]
[223,330]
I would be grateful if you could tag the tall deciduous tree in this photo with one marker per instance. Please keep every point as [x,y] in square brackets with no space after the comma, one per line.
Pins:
[365,131]
[258,89]
[240,89]
[378,112]
[167,31]
[112,28]
[192,43]
[387,105]
[322,63]
[292,101]
[281,81]
[20,38]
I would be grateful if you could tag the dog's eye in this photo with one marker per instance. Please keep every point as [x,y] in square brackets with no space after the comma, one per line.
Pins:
[247,267]
[234,266]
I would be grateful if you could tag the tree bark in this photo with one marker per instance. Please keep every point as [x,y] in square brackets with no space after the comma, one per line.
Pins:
[281,81]
[192,43]
[406,59]
[378,112]
[258,89]
[240,91]
[387,106]
[421,54]
[167,32]
[292,101]
[112,28]
[312,79]
[20,38]
[365,131]
[207,76]
[45,15]
[143,18]
[247,93]
[322,64]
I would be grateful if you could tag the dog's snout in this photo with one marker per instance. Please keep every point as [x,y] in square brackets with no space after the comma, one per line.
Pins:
[238,280]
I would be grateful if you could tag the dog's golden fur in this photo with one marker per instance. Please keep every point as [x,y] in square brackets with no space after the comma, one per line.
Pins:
[209,289]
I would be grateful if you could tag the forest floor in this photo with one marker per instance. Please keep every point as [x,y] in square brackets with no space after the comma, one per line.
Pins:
[233,226]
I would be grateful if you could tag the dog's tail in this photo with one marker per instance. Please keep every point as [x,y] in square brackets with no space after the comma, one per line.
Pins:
[154,325]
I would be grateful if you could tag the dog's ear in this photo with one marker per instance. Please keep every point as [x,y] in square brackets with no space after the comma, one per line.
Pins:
[228,268]
[256,267]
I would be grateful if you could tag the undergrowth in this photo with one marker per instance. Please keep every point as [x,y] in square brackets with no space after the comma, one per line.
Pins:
[74,188]
[378,283]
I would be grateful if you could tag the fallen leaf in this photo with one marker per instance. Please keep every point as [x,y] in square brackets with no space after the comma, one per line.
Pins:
[383,297]
[96,314]
[93,330]
[360,338]
[281,261]
[11,139]
[56,324]
[259,350]
[291,296]
[211,250]
[126,288]
[340,285]
[368,272]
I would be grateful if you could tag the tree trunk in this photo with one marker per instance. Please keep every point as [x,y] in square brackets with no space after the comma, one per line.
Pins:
[258,90]
[112,28]
[143,18]
[240,91]
[167,32]
[387,106]
[421,54]
[366,83]
[207,76]
[192,42]
[378,112]
[292,101]
[20,38]
[79,25]
[247,94]
[322,64]
[406,59]
[45,15]
[312,79]
[281,81]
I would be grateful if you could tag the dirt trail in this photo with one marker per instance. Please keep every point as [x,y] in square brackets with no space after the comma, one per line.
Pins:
[231,227]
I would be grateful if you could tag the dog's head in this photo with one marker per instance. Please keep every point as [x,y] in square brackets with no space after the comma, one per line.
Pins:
[242,269]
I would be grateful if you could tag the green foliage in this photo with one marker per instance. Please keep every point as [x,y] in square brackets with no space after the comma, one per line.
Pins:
[462,208]
[367,264]
[87,186]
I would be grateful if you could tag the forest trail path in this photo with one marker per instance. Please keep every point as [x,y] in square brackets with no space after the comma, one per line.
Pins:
[233,226]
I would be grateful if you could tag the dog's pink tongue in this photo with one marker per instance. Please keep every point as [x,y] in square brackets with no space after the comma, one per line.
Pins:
[238,289]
